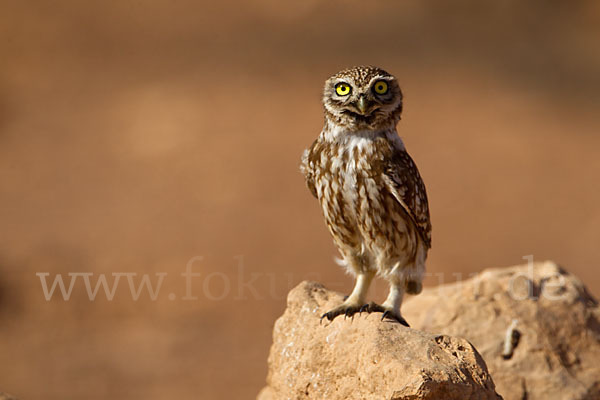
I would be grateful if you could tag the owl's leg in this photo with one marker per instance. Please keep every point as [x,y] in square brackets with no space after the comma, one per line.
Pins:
[356,300]
[391,306]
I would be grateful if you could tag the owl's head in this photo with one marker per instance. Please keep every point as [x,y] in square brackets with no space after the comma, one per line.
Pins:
[362,98]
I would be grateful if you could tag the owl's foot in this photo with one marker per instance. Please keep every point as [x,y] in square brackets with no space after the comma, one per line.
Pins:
[345,309]
[387,313]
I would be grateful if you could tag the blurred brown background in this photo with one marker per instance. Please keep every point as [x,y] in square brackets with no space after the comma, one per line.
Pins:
[136,135]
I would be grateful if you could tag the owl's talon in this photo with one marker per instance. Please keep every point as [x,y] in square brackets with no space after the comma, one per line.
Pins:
[385,314]
[347,310]
[389,314]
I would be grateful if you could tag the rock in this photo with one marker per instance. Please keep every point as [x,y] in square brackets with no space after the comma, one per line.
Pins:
[366,358]
[6,396]
[558,348]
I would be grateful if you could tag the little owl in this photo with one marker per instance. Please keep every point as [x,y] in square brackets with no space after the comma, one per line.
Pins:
[372,196]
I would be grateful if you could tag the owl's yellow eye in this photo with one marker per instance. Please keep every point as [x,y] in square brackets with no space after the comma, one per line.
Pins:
[343,89]
[381,87]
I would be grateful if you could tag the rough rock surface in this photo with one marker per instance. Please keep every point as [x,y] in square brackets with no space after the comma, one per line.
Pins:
[365,358]
[558,352]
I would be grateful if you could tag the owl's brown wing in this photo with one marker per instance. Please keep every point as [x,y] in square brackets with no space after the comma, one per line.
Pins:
[404,182]
[306,167]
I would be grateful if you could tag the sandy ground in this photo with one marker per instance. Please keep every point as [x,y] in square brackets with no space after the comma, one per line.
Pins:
[141,138]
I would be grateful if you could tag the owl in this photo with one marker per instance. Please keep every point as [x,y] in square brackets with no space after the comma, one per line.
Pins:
[372,196]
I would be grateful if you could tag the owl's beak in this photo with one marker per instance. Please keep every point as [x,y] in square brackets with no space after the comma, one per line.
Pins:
[362,105]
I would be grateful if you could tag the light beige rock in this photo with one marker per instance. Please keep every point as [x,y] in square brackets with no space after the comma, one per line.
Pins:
[6,396]
[365,358]
[558,353]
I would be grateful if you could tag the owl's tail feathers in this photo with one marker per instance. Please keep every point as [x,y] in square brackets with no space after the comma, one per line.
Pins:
[410,277]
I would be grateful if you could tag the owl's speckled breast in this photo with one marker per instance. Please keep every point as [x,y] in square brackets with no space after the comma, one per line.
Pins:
[348,180]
